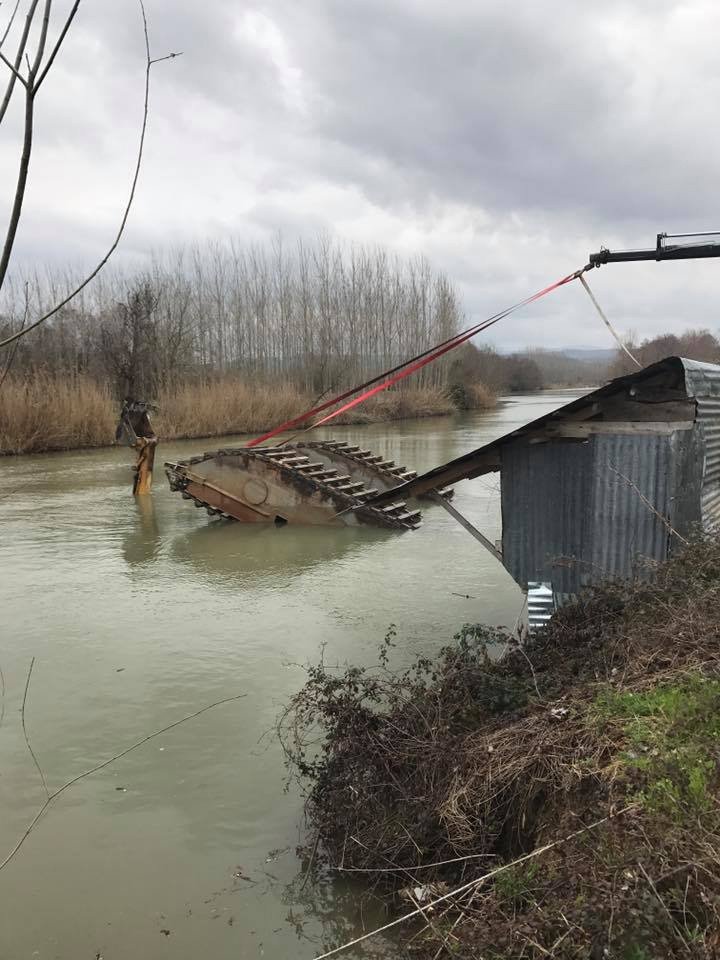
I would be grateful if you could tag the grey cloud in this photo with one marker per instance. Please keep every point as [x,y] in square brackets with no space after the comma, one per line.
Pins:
[509,106]
[505,141]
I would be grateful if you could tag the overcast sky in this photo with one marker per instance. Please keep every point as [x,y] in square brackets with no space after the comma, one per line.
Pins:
[505,141]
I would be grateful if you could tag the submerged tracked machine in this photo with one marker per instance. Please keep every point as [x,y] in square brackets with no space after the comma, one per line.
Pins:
[317,482]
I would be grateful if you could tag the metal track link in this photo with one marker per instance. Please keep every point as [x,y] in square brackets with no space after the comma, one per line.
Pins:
[386,469]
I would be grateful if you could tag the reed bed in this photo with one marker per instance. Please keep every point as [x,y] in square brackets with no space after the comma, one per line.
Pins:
[225,407]
[43,412]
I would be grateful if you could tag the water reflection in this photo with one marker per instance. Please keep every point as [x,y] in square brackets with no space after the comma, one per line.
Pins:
[236,554]
[327,911]
[142,543]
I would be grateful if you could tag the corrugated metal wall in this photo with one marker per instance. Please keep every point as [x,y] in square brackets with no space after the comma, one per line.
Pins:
[577,512]
[545,493]
[632,479]
[702,381]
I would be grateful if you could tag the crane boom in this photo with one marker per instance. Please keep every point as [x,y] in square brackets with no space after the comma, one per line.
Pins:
[697,246]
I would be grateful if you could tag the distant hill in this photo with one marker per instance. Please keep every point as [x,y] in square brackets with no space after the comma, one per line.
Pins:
[573,366]
[580,353]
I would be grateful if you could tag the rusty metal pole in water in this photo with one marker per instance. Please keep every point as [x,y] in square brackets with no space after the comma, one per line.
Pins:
[135,428]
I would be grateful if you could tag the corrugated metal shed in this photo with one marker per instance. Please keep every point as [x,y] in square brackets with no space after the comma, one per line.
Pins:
[607,485]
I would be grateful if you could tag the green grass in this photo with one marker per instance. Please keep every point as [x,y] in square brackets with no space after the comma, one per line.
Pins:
[673,735]
[517,883]
[636,952]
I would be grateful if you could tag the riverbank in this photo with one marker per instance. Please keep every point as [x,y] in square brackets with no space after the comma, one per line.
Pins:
[561,801]
[45,413]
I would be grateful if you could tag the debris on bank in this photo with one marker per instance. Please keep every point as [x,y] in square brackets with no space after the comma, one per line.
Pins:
[610,716]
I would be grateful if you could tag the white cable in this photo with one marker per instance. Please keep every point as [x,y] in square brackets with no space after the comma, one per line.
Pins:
[607,323]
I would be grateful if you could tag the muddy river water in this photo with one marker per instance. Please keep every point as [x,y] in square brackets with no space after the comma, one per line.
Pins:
[138,613]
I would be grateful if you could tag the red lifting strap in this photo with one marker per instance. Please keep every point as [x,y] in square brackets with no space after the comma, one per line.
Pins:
[407,367]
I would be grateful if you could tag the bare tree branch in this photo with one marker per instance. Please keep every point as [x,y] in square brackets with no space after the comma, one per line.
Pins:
[126,213]
[27,138]
[18,59]
[21,183]
[10,22]
[58,44]
[41,45]
[17,75]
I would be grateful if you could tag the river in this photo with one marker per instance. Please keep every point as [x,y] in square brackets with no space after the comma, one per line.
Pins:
[138,613]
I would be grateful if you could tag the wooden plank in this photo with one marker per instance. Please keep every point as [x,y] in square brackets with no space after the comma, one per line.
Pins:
[581,429]
[638,408]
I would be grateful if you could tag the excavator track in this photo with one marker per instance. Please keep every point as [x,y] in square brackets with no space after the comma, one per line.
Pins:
[355,455]
[325,482]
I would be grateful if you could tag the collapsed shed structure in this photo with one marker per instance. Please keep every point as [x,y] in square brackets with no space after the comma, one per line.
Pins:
[621,475]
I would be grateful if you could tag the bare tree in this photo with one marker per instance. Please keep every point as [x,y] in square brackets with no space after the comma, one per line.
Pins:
[318,315]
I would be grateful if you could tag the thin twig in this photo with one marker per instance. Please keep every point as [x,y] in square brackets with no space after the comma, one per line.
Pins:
[39,53]
[58,44]
[25,733]
[651,507]
[519,647]
[14,70]
[27,145]
[126,213]
[458,920]
[13,352]
[662,903]
[428,920]
[10,22]
[471,884]
[312,859]
[18,60]
[2,696]
[81,776]
[411,870]
[169,56]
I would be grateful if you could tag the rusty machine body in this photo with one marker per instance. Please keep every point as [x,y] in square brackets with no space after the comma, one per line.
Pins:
[135,429]
[315,482]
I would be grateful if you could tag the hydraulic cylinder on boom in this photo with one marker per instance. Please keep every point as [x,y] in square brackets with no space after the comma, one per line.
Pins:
[686,246]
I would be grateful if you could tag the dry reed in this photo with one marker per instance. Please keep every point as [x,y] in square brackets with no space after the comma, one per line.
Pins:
[44,412]
[400,405]
[225,407]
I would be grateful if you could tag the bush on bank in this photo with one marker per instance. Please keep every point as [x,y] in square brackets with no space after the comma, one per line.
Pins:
[489,751]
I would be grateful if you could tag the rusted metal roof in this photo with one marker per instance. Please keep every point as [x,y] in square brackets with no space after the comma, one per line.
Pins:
[691,380]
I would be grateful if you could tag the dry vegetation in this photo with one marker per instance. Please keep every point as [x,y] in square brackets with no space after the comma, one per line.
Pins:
[42,412]
[227,339]
[469,763]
